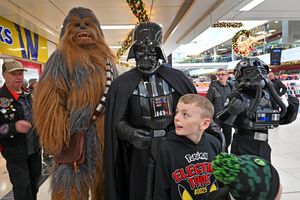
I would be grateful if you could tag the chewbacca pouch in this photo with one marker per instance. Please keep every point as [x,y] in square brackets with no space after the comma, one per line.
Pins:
[74,153]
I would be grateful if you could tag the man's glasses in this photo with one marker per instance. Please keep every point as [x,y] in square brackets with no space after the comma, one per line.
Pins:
[221,74]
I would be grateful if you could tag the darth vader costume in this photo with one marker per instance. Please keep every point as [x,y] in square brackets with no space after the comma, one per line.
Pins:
[254,108]
[140,109]
[140,106]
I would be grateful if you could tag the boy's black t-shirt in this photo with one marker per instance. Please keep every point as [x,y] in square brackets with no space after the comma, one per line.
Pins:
[183,168]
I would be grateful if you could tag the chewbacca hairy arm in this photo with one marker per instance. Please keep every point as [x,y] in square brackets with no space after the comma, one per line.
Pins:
[50,112]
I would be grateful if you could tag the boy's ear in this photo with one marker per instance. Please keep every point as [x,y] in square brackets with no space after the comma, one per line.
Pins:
[205,123]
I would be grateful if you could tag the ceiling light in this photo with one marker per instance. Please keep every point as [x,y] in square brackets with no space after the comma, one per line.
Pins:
[251,5]
[114,27]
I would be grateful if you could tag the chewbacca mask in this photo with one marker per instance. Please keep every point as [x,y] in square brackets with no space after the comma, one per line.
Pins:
[73,82]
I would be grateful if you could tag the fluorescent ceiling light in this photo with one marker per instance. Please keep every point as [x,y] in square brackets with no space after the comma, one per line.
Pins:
[251,5]
[114,27]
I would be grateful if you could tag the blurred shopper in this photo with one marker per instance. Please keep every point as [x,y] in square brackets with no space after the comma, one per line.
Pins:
[19,141]
[232,80]
[279,87]
[32,84]
[217,93]
[25,83]
[213,78]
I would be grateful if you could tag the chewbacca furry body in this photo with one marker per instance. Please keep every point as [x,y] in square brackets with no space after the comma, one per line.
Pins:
[66,96]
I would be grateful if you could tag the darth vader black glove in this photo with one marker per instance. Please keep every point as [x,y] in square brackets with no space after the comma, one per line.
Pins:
[140,139]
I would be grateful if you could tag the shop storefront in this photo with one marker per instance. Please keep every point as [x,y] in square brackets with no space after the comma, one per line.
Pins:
[19,43]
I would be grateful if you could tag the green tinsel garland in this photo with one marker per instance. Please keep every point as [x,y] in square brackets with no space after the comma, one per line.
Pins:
[138,9]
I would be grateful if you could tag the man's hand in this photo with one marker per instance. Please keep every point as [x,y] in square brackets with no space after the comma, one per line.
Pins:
[23,126]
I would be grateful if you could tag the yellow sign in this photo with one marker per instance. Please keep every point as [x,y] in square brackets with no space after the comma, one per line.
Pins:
[21,42]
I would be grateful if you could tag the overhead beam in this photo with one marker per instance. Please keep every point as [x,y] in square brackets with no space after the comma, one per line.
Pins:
[187,4]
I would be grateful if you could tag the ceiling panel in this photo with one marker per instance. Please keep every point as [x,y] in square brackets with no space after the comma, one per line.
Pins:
[267,10]
[46,16]
[43,10]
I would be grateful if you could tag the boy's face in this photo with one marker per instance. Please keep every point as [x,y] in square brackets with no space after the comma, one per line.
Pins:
[188,120]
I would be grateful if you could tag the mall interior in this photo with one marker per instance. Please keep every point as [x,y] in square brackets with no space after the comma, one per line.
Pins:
[198,39]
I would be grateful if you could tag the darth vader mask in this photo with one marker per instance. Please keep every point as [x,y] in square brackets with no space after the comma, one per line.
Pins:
[146,47]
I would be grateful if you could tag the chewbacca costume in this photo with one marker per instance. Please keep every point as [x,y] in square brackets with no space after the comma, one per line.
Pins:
[71,87]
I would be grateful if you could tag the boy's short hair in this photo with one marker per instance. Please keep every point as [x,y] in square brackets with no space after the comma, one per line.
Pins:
[201,102]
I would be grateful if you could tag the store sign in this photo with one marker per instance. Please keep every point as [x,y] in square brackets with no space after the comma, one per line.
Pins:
[21,42]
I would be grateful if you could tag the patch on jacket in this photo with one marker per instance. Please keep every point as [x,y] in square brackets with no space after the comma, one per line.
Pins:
[5,102]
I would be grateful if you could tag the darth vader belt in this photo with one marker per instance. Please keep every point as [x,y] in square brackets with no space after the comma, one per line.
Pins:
[158,133]
[261,136]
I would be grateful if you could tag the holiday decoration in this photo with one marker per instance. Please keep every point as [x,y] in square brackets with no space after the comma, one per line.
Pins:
[227,25]
[138,9]
[242,43]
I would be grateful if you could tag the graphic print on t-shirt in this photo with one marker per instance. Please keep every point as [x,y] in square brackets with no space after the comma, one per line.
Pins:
[196,177]
[185,195]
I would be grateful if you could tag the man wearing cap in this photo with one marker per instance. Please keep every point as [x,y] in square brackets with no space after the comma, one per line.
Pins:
[20,145]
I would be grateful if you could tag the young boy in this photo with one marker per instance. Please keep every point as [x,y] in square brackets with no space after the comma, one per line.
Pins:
[183,168]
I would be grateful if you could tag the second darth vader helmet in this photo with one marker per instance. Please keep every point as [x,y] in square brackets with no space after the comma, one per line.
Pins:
[147,47]
[251,72]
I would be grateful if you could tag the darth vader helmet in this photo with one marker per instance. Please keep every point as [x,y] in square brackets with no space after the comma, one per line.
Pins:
[147,47]
[251,72]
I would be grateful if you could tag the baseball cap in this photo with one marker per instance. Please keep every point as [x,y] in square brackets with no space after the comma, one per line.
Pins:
[247,176]
[12,65]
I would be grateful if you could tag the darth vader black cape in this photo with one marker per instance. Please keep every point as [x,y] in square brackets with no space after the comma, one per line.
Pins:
[115,154]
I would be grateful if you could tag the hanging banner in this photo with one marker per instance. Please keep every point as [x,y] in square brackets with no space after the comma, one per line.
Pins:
[18,41]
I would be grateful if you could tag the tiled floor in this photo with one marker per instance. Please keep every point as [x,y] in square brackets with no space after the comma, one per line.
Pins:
[5,185]
[285,142]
